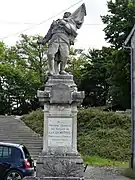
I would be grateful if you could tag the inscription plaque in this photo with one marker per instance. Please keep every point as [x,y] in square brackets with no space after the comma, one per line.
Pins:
[59,132]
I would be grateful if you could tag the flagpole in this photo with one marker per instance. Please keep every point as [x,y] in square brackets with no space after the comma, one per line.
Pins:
[132,105]
[131,39]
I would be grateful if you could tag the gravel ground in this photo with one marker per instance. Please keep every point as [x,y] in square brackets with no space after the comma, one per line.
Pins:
[103,173]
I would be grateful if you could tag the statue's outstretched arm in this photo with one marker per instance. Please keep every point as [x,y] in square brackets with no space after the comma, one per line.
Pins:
[47,36]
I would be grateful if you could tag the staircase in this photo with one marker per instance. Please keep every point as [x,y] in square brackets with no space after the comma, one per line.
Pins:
[13,129]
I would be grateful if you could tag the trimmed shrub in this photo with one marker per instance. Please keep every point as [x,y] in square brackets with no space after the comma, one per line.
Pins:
[104,134]
[92,119]
[35,120]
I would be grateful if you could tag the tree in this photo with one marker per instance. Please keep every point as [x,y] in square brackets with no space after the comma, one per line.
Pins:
[119,78]
[32,55]
[22,72]
[94,77]
[119,22]
[4,101]
[75,65]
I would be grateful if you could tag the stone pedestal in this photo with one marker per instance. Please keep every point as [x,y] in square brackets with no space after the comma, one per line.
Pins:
[60,158]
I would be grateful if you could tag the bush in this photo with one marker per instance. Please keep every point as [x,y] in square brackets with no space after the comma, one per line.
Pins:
[112,144]
[104,134]
[92,119]
[35,121]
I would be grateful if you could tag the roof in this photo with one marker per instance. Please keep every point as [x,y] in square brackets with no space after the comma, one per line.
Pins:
[9,144]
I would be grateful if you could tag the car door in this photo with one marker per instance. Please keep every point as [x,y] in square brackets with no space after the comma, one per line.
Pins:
[3,165]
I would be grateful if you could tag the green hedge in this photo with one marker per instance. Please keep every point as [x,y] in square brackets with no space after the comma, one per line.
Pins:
[104,134]
[35,121]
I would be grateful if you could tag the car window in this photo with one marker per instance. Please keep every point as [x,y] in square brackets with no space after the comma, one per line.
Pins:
[5,151]
[1,149]
[17,153]
[26,152]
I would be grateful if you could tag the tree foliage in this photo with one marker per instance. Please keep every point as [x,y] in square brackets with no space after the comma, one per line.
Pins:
[119,22]
[94,77]
[103,74]
[22,71]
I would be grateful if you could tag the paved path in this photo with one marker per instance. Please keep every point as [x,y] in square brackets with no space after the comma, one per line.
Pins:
[103,173]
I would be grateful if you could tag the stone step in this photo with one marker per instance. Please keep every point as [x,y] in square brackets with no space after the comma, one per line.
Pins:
[10,135]
[20,140]
[25,140]
[32,145]
[15,131]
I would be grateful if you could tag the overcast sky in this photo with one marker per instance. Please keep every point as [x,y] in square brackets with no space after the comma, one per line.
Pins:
[14,13]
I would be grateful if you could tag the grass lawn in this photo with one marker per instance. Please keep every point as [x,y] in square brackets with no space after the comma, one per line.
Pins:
[123,166]
[97,161]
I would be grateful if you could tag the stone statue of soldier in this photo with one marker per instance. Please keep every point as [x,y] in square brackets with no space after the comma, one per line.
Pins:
[59,37]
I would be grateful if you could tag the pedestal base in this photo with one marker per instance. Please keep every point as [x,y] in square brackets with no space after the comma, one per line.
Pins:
[60,166]
[60,159]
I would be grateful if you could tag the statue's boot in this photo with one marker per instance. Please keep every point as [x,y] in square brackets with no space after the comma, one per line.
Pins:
[51,66]
[56,67]
[63,73]
[62,67]
[50,74]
